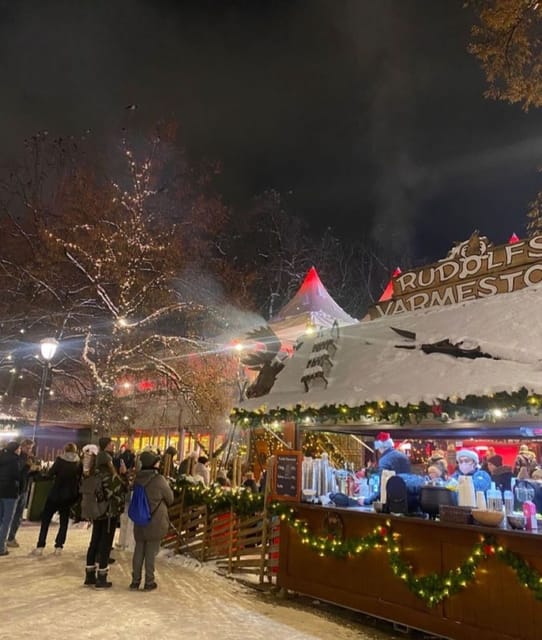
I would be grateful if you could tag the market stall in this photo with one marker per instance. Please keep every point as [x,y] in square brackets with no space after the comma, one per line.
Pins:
[452,580]
[454,356]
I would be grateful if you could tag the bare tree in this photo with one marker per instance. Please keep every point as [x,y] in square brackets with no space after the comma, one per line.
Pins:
[96,263]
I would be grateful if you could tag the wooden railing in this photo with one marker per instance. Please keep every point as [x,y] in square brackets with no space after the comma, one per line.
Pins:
[240,544]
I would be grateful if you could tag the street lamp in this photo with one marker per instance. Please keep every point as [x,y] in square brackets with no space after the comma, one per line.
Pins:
[48,348]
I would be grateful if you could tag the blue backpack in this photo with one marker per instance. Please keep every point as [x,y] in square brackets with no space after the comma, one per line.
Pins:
[139,510]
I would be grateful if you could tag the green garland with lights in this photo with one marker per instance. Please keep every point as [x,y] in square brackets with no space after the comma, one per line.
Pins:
[432,588]
[468,408]
[242,501]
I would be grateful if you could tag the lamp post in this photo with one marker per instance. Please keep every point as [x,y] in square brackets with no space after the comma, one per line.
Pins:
[48,347]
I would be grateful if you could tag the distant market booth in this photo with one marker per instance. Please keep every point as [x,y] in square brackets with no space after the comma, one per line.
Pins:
[452,359]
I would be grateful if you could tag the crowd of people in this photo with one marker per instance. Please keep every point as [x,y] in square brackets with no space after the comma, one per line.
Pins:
[98,482]
[197,468]
[95,484]
[446,467]
[117,474]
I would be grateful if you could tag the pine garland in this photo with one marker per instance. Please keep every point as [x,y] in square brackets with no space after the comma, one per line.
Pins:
[468,408]
[241,500]
[432,588]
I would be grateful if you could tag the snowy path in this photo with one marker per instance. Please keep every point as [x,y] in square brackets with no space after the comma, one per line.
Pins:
[44,598]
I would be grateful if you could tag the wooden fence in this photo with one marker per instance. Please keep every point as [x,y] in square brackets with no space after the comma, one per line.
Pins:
[239,544]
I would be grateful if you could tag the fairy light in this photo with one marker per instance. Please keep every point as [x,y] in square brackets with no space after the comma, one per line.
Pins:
[432,588]
[381,411]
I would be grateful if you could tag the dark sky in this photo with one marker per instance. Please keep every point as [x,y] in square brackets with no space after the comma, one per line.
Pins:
[369,111]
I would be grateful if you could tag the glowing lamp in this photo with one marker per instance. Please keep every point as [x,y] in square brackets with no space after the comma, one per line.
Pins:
[48,348]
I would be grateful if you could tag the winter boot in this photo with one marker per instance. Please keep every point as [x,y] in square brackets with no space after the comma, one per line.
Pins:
[101,580]
[90,575]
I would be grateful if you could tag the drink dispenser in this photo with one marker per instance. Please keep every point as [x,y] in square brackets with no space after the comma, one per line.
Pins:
[523,492]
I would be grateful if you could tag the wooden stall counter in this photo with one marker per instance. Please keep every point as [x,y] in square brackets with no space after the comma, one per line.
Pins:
[451,580]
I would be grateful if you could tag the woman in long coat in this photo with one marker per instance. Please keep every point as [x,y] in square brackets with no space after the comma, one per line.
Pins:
[148,537]
[66,472]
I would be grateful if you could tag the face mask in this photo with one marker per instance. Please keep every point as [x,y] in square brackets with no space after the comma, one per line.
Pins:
[466,467]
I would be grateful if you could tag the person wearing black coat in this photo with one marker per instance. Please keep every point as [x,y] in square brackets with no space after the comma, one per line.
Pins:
[10,475]
[26,466]
[66,471]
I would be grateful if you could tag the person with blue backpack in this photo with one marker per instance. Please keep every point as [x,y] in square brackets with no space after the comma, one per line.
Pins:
[148,509]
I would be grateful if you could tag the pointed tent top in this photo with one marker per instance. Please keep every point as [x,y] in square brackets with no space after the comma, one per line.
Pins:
[312,281]
[388,291]
[314,302]
[513,239]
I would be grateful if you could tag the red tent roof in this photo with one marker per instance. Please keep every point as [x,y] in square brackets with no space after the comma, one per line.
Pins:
[513,239]
[313,299]
[387,294]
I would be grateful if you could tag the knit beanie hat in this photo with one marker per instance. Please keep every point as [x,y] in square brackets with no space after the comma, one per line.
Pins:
[148,459]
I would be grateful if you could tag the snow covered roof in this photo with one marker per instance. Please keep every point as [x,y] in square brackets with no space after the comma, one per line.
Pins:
[368,366]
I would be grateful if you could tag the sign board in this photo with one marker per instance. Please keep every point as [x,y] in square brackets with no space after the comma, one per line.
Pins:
[473,269]
[287,476]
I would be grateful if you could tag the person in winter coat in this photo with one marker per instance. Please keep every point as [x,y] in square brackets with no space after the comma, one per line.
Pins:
[27,469]
[525,462]
[501,474]
[390,458]
[10,474]
[66,471]
[114,487]
[202,470]
[148,537]
[468,465]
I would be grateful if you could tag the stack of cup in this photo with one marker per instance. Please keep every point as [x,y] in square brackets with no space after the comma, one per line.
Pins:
[481,500]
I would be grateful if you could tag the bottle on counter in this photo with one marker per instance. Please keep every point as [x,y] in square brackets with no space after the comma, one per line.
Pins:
[508,502]
[529,511]
[494,499]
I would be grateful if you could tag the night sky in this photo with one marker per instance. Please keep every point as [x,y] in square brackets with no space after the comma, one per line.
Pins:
[367,114]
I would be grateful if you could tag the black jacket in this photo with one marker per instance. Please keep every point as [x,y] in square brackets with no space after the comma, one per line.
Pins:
[10,474]
[66,471]
[26,464]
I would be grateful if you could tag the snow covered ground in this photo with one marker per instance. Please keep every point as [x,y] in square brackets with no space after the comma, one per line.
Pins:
[44,598]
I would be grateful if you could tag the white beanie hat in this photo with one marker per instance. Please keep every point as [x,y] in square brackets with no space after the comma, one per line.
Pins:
[467,453]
